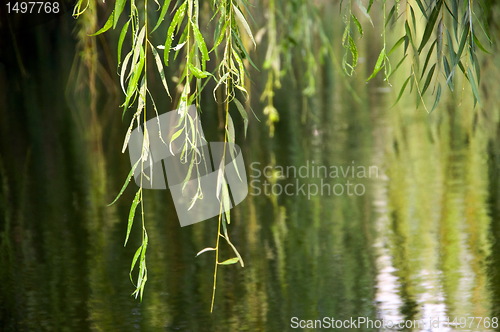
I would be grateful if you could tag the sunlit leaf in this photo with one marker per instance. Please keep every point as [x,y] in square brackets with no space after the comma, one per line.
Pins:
[202,46]
[131,215]
[229,261]
[357,24]
[107,25]
[176,21]
[159,66]
[123,33]
[197,72]
[205,250]
[119,6]
[163,12]
[378,64]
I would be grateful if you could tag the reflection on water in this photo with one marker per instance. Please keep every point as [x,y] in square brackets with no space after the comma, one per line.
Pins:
[433,228]
[419,243]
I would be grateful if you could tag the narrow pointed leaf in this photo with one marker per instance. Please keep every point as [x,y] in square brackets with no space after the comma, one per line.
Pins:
[107,25]
[378,64]
[125,184]
[243,114]
[163,12]
[119,6]
[403,87]
[438,97]
[429,28]
[243,22]
[396,45]
[123,33]
[357,24]
[429,78]
[229,261]
[131,214]
[205,250]
[427,58]
[176,21]
[197,72]
[161,70]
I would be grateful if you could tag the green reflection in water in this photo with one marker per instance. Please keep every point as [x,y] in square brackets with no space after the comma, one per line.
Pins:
[421,241]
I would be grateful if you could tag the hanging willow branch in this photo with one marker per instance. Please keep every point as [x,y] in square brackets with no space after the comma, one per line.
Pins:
[448,45]
[435,53]
[229,51]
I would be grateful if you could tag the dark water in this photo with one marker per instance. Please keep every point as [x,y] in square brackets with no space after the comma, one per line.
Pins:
[418,239]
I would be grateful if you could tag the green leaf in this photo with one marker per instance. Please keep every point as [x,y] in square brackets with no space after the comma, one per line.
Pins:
[478,43]
[463,41]
[138,46]
[453,57]
[438,97]
[378,64]
[197,72]
[174,137]
[364,11]
[243,114]
[454,10]
[123,33]
[164,8]
[409,37]
[132,84]
[422,7]
[391,14]
[357,24]
[477,68]
[107,25]
[427,58]
[399,64]
[413,19]
[244,22]
[448,73]
[125,184]
[354,51]
[396,45]
[202,46]
[119,6]
[240,46]
[176,21]
[134,260]
[220,34]
[229,261]
[161,70]
[402,89]
[370,3]
[430,25]
[241,69]
[473,86]
[429,78]
[131,214]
